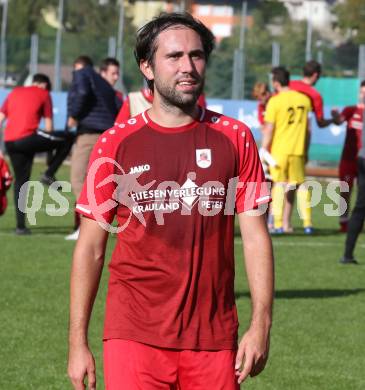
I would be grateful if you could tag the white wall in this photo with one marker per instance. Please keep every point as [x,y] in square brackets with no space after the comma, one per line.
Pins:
[319,12]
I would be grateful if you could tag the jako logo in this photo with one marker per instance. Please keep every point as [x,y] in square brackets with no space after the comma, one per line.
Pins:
[140,168]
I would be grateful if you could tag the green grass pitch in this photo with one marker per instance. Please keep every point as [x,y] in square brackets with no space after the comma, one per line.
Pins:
[318,334]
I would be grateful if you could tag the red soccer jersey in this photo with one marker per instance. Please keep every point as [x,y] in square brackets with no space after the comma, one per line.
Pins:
[201,101]
[312,93]
[24,107]
[172,270]
[354,118]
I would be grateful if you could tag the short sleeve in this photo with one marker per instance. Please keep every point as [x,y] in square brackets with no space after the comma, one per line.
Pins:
[270,113]
[98,198]
[252,189]
[47,107]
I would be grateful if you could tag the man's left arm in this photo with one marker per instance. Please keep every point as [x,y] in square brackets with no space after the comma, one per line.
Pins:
[48,113]
[48,124]
[253,348]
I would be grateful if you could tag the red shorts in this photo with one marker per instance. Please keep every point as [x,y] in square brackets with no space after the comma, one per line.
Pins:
[129,365]
[348,171]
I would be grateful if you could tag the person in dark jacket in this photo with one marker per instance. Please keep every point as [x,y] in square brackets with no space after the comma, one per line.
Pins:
[92,108]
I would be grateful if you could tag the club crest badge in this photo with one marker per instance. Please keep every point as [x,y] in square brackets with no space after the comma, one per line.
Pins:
[203,158]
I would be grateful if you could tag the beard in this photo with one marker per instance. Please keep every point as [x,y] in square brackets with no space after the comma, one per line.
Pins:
[181,99]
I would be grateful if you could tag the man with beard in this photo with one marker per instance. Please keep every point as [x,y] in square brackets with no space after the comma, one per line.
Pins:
[166,175]
[139,101]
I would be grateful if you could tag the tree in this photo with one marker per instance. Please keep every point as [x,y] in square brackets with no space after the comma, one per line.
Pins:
[24,16]
[351,19]
[257,59]
[87,28]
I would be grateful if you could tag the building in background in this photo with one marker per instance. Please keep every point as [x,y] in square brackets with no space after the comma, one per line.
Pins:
[143,11]
[218,15]
[319,12]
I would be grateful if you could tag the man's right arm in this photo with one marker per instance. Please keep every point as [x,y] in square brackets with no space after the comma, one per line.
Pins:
[344,116]
[317,103]
[321,122]
[47,113]
[87,266]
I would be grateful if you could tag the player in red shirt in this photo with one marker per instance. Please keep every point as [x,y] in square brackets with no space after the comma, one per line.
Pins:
[353,115]
[311,74]
[23,108]
[171,320]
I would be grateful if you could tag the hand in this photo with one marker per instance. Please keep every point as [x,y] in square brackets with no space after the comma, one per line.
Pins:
[252,353]
[81,363]
[71,122]
[336,116]
[1,154]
